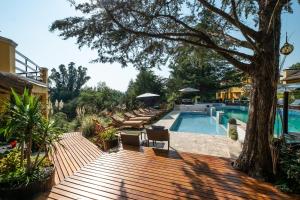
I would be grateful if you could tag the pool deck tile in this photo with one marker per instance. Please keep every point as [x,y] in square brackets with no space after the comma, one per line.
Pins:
[214,145]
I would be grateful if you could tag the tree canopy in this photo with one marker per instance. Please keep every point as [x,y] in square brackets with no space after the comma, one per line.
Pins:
[66,83]
[97,99]
[202,69]
[146,81]
[295,66]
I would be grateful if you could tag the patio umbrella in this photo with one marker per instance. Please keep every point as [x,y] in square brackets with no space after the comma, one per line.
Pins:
[188,90]
[147,95]
[149,99]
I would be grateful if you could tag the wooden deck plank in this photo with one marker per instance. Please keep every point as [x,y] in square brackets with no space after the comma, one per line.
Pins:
[149,174]
[73,152]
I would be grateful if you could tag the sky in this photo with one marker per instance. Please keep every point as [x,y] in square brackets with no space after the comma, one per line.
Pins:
[27,23]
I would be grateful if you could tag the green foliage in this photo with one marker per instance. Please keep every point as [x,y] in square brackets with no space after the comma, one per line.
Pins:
[12,174]
[65,85]
[61,121]
[88,126]
[21,115]
[23,120]
[232,121]
[70,108]
[94,100]
[202,69]
[289,166]
[295,66]
[11,162]
[146,81]
[108,135]
[67,82]
[233,134]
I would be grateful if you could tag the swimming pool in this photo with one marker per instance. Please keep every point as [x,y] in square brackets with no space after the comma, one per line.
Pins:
[241,113]
[195,122]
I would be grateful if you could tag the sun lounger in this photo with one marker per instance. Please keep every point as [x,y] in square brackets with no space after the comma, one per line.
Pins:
[152,111]
[122,123]
[132,117]
[140,114]
[296,103]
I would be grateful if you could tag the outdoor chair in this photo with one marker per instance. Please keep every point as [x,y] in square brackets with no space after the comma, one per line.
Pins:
[158,135]
[132,139]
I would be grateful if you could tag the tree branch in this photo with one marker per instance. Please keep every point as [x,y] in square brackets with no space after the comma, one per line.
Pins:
[210,44]
[249,31]
[249,40]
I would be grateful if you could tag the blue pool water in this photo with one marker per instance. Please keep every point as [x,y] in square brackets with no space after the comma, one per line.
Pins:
[241,113]
[197,123]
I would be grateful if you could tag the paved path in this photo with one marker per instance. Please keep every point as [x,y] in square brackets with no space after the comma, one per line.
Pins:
[214,145]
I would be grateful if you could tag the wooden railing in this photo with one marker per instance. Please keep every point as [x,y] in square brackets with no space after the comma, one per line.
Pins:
[27,68]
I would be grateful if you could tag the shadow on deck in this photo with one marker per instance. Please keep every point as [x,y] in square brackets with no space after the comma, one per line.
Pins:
[146,173]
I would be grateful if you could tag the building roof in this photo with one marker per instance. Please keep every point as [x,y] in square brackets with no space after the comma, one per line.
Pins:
[4,39]
[17,82]
[294,76]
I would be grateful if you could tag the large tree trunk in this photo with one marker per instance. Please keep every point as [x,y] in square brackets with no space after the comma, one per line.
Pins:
[256,158]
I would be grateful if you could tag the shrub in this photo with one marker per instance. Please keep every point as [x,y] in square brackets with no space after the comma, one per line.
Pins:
[61,121]
[289,169]
[88,127]
[108,135]
[232,121]
[10,163]
[24,122]
[233,133]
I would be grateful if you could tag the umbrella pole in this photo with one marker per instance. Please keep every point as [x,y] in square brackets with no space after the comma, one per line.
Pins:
[285,112]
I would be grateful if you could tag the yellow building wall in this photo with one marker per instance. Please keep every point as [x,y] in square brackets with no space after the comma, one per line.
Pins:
[230,93]
[7,55]
[7,64]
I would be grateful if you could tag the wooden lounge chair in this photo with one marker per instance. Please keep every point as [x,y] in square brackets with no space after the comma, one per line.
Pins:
[158,135]
[153,110]
[295,104]
[122,123]
[141,114]
[150,112]
[132,117]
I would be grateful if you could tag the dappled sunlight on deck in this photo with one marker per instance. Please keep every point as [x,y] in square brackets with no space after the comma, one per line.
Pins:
[146,173]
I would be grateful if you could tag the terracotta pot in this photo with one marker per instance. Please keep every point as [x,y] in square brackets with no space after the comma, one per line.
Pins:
[30,190]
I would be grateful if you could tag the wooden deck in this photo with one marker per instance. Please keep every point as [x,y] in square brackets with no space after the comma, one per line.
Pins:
[151,174]
[74,152]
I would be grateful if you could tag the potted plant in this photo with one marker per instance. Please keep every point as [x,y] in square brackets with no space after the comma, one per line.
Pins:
[232,129]
[23,174]
[108,139]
